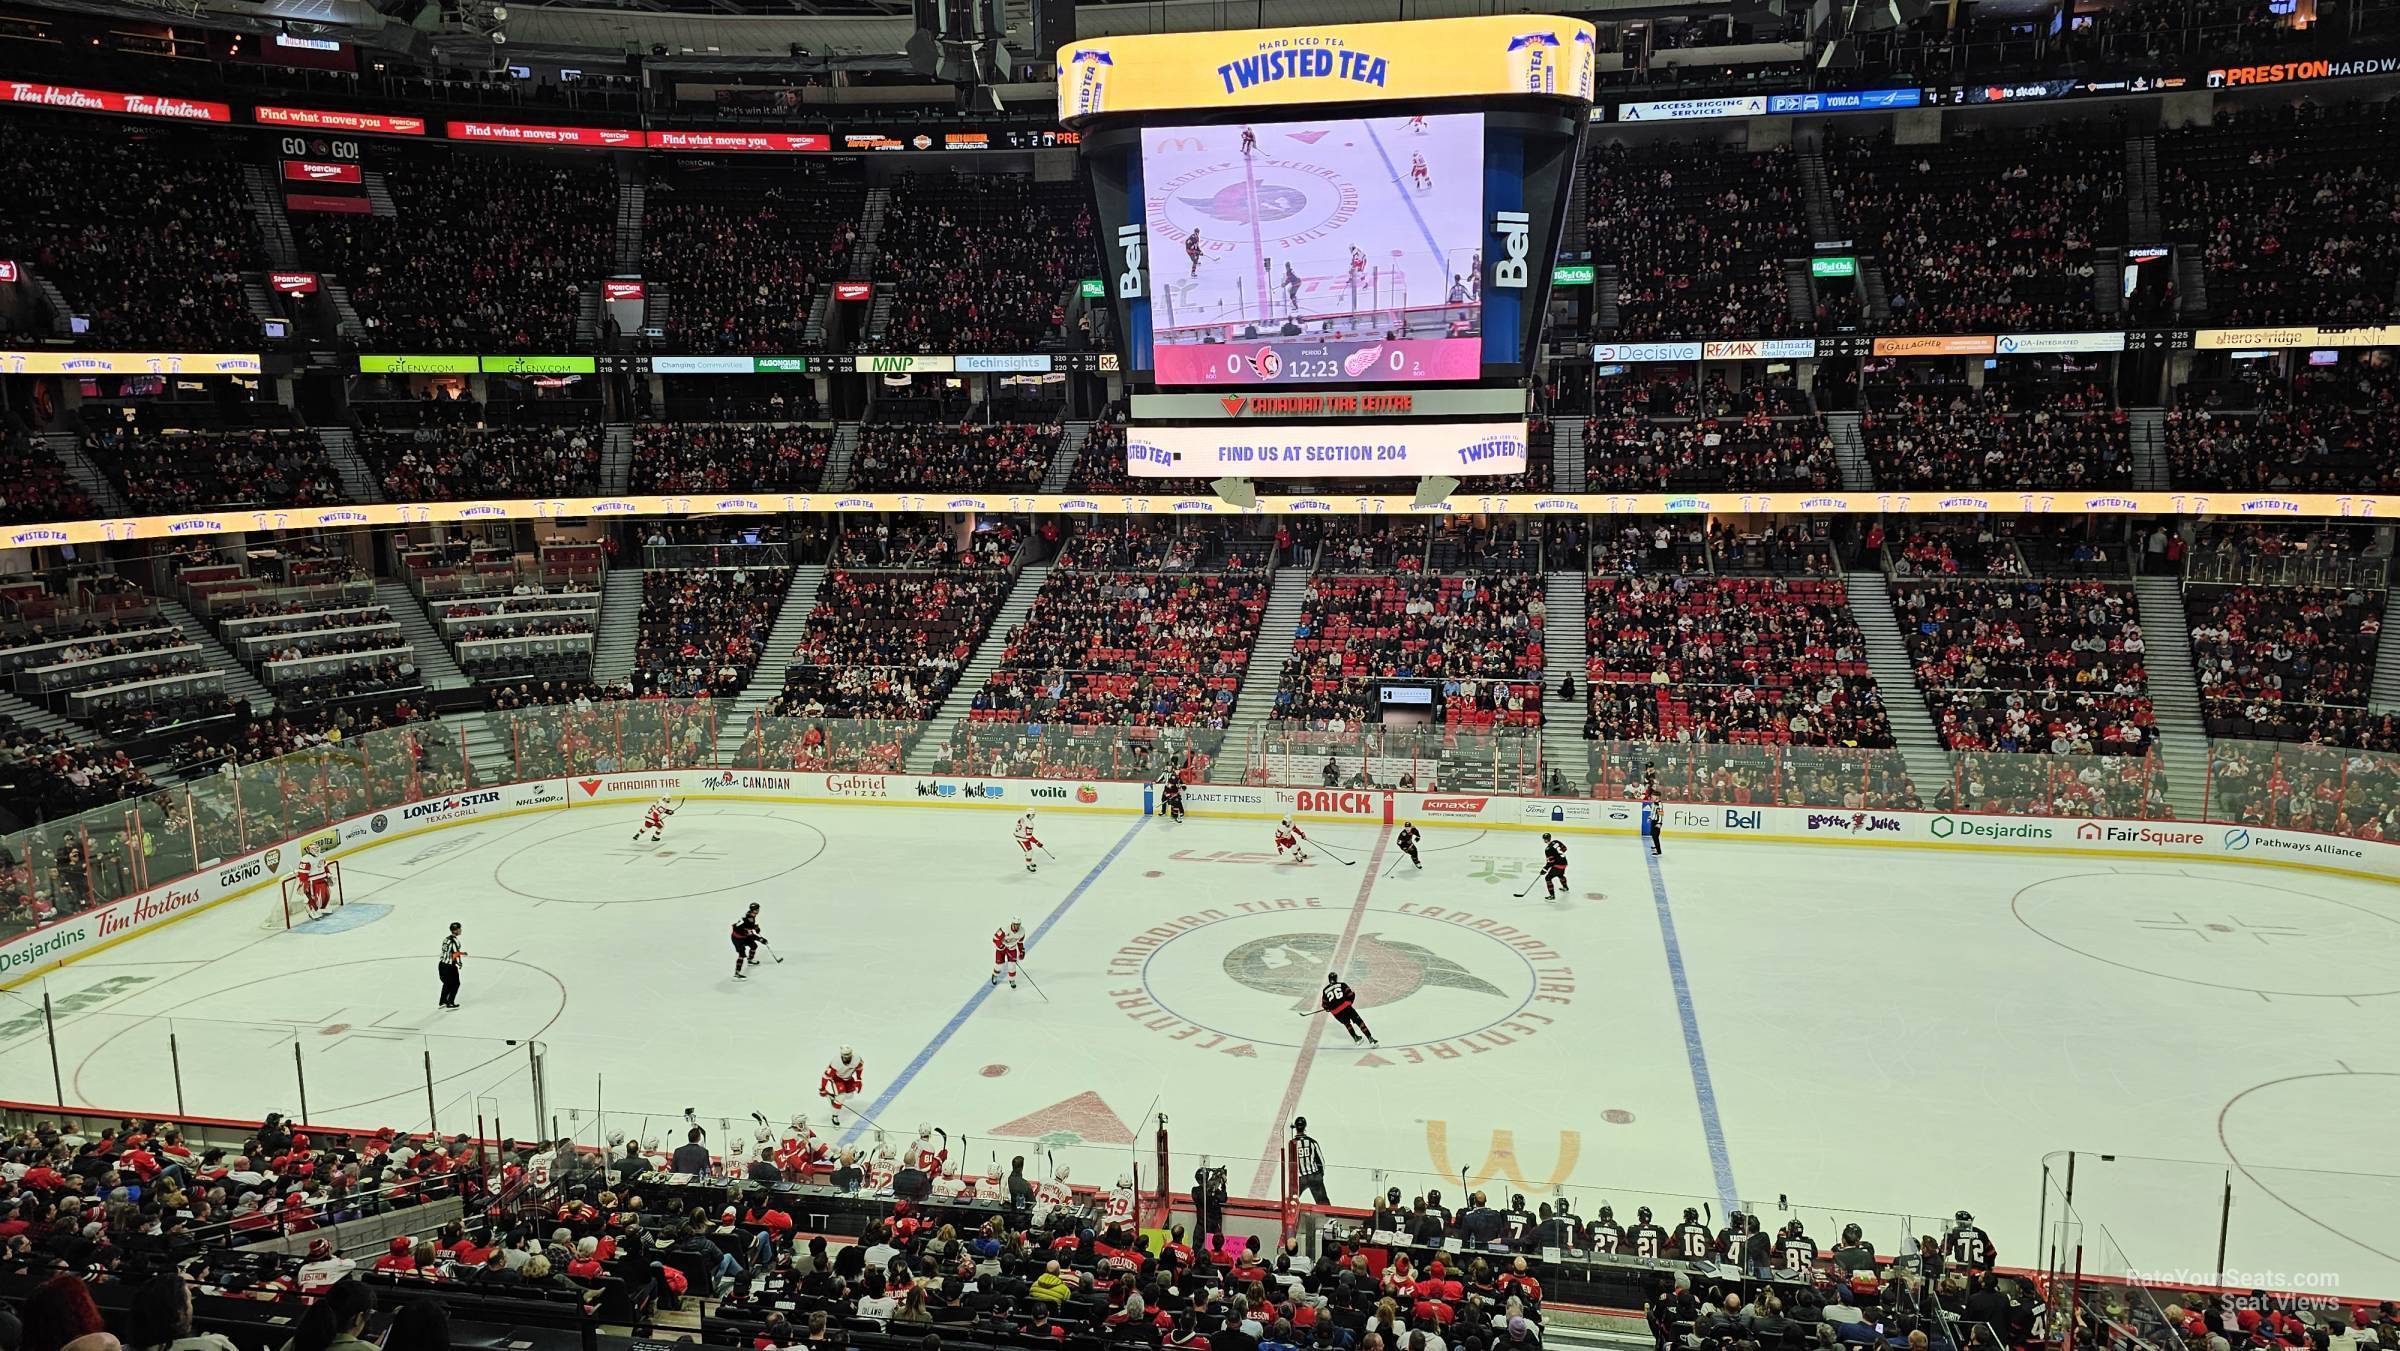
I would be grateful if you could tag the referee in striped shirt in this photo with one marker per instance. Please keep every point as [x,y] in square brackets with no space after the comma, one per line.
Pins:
[453,953]
[1308,1161]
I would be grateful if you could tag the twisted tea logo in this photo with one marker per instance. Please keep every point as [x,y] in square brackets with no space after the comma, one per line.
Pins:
[1382,970]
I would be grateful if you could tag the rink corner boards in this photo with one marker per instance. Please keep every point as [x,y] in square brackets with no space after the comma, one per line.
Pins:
[26,956]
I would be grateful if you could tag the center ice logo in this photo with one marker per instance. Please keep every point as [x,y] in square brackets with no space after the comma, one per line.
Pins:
[1384,971]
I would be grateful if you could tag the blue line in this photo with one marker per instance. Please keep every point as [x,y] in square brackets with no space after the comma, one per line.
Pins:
[1408,198]
[984,991]
[1710,1123]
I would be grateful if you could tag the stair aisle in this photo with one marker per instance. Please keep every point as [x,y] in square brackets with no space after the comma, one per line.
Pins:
[616,457]
[241,683]
[945,721]
[1565,652]
[1256,699]
[1567,458]
[2174,694]
[837,459]
[620,626]
[1061,472]
[1850,449]
[2385,696]
[490,748]
[2146,429]
[1896,678]
[86,472]
[775,658]
[359,483]
[435,662]
[26,713]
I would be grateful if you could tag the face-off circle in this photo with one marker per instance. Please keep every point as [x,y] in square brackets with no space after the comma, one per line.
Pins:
[2222,932]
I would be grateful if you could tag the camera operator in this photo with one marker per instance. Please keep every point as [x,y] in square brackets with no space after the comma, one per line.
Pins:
[1209,1190]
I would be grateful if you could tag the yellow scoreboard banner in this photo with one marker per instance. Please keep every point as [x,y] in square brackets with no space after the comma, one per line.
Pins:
[1481,57]
[2361,506]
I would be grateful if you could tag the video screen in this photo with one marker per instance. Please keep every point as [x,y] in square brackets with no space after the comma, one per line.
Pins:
[1341,249]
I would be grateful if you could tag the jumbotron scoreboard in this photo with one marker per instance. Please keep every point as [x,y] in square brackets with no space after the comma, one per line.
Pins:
[1328,249]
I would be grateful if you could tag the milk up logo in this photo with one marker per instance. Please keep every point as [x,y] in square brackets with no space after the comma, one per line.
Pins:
[1384,971]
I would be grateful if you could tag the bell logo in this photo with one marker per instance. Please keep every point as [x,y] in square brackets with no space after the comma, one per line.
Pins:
[1129,281]
[1515,229]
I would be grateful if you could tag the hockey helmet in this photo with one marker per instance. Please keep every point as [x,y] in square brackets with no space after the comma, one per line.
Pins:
[848,1055]
[1642,1216]
[800,1123]
[1691,1214]
[1851,1233]
[924,1130]
[615,1138]
[1124,1182]
[765,1136]
[1061,1174]
[1608,1213]
[1794,1228]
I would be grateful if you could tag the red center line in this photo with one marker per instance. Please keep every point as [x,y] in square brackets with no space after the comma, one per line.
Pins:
[1267,1159]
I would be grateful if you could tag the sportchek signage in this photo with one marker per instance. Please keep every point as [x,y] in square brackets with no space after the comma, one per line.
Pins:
[320,171]
[292,283]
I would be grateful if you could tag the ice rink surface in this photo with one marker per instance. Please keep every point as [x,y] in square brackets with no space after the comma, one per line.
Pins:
[1858,1034]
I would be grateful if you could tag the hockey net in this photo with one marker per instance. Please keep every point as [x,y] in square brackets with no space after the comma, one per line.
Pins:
[291,908]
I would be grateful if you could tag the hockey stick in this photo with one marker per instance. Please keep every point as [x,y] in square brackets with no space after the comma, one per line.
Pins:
[1529,886]
[1330,853]
[1046,852]
[1029,980]
[771,952]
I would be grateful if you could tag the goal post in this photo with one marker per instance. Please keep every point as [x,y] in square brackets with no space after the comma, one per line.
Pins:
[292,907]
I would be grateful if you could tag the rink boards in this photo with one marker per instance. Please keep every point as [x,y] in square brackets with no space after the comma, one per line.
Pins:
[28,955]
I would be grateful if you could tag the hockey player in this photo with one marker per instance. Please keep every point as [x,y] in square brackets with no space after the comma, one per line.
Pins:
[1027,841]
[882,1164]
[843,1078]
[1416,126]
[1648,1239]
[923,1155]
[1605,1235]
[316,886]
[1049,1196]
[1409,835]
[1341,1001]
[1249,143]
[1796,1250]
[1968,1246]
[1692,1239]
[1170,797]
[1289,836]
[801,1152]
[1191,250]
[1419,177]
[654,821]
[746,938]
[1117,1206]
[1554,866]
[1008,949]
